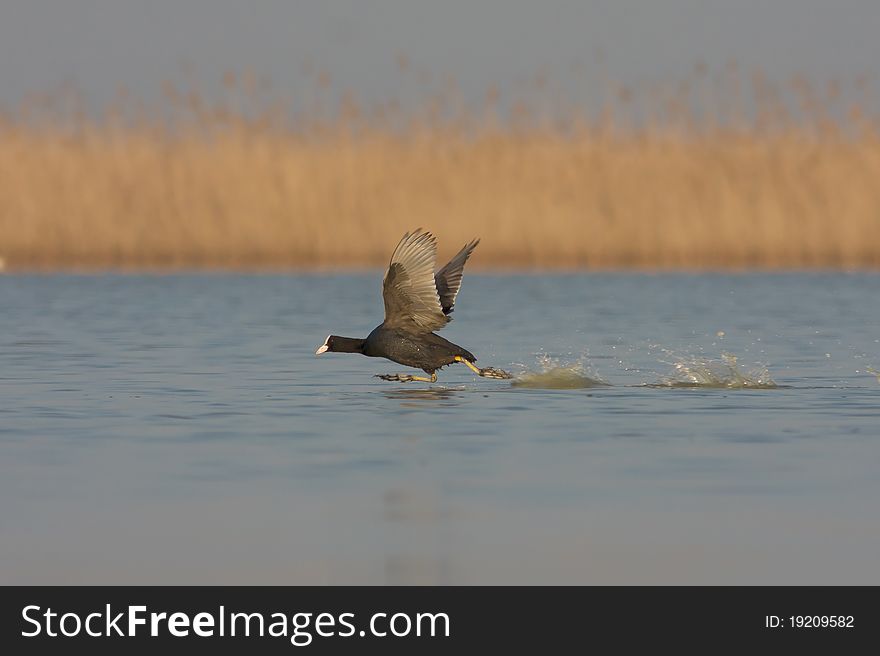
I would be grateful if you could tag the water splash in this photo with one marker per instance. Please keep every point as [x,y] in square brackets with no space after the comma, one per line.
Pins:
[556,374]
[698,371]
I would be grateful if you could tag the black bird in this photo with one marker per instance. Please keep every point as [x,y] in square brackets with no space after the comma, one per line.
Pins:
[417,302]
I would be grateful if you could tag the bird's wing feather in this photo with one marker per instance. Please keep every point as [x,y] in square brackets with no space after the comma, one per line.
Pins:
[448,279]
[409,291]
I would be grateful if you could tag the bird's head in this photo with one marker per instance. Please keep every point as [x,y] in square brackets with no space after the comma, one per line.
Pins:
[337,344]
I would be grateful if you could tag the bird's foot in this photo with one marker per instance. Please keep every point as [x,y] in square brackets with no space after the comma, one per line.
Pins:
[406,378]
[398,378]
[488,372]
[492,372]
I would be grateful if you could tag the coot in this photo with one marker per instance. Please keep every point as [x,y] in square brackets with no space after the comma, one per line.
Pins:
[417,302]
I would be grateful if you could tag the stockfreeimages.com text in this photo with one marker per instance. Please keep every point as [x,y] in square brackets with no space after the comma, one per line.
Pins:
[301,628]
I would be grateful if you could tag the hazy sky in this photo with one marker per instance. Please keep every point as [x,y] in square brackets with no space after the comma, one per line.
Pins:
[100,44]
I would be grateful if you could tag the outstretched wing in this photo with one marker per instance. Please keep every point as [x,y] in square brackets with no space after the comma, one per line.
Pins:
[448,279]
[409,291]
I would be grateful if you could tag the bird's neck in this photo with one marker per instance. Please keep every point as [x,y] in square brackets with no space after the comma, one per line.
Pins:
[348,345]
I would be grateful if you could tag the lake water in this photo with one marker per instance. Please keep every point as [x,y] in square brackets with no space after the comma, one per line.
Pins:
[179,429]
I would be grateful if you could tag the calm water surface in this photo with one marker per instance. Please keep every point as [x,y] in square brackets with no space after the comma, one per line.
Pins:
[179,429]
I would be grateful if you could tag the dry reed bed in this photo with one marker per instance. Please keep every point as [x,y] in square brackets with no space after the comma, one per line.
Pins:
[250,197]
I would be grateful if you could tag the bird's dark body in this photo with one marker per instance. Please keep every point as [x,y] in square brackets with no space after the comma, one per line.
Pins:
[426,351]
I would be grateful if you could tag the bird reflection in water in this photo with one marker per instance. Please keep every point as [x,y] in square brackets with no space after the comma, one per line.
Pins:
[432,396]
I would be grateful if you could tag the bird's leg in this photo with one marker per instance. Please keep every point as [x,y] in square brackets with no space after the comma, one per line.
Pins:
[488,372]
[406,378]
[470,365]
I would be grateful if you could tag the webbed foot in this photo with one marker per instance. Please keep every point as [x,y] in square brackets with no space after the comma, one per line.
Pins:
[492,372]
[406,378]
[488,372]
